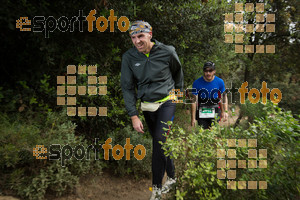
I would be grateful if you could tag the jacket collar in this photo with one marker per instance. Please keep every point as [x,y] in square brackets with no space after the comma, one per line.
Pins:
[155,46]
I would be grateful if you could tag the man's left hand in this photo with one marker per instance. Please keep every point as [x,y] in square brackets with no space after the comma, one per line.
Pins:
[224,116]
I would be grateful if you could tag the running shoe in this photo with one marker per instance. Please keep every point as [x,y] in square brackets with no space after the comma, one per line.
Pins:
[156,193]
[169,184]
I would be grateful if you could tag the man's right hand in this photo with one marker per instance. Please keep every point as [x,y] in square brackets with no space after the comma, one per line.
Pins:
[137,124]
[193,122]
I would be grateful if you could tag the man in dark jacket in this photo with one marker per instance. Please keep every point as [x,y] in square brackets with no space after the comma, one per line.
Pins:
[154,70]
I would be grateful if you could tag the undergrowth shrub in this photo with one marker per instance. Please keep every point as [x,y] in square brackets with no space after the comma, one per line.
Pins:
[196,158]
[139,168]
[31,178]
[253,111]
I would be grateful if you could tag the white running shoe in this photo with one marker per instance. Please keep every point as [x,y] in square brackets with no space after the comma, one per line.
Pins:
[169,184]
[156,193]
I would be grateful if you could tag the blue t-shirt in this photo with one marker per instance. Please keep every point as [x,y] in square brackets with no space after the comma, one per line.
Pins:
[209,90]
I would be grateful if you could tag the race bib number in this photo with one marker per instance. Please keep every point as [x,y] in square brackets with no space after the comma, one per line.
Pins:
[206,112]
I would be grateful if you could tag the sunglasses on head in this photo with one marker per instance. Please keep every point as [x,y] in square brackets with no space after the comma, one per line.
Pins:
[210,70]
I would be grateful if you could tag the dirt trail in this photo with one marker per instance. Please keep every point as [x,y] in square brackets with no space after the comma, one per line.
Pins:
[109,187]
[104,187]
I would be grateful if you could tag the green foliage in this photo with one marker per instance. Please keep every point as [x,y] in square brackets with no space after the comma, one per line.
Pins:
[289,92]
[277,132]
[195,154]
[54,178]
[139,168]
[194,28]
[253,111]
[31,178]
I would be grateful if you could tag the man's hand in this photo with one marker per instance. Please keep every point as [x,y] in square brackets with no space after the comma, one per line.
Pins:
[137,124]
[224,116]
[193,122]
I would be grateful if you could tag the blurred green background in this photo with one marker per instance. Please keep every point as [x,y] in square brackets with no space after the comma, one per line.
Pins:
[30,64]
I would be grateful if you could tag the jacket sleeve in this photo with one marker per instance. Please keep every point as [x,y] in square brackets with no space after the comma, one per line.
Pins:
[128,87]
[176,70]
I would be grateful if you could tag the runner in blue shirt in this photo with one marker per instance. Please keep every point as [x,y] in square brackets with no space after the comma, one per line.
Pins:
[209,90]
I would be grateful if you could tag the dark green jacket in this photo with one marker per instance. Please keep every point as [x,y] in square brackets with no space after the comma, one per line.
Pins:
[154,76]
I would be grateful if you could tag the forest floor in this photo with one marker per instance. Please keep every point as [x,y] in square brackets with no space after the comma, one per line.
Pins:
[108,186]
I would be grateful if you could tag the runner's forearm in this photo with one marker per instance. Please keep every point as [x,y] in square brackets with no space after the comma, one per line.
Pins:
[224,104]
[193,111]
